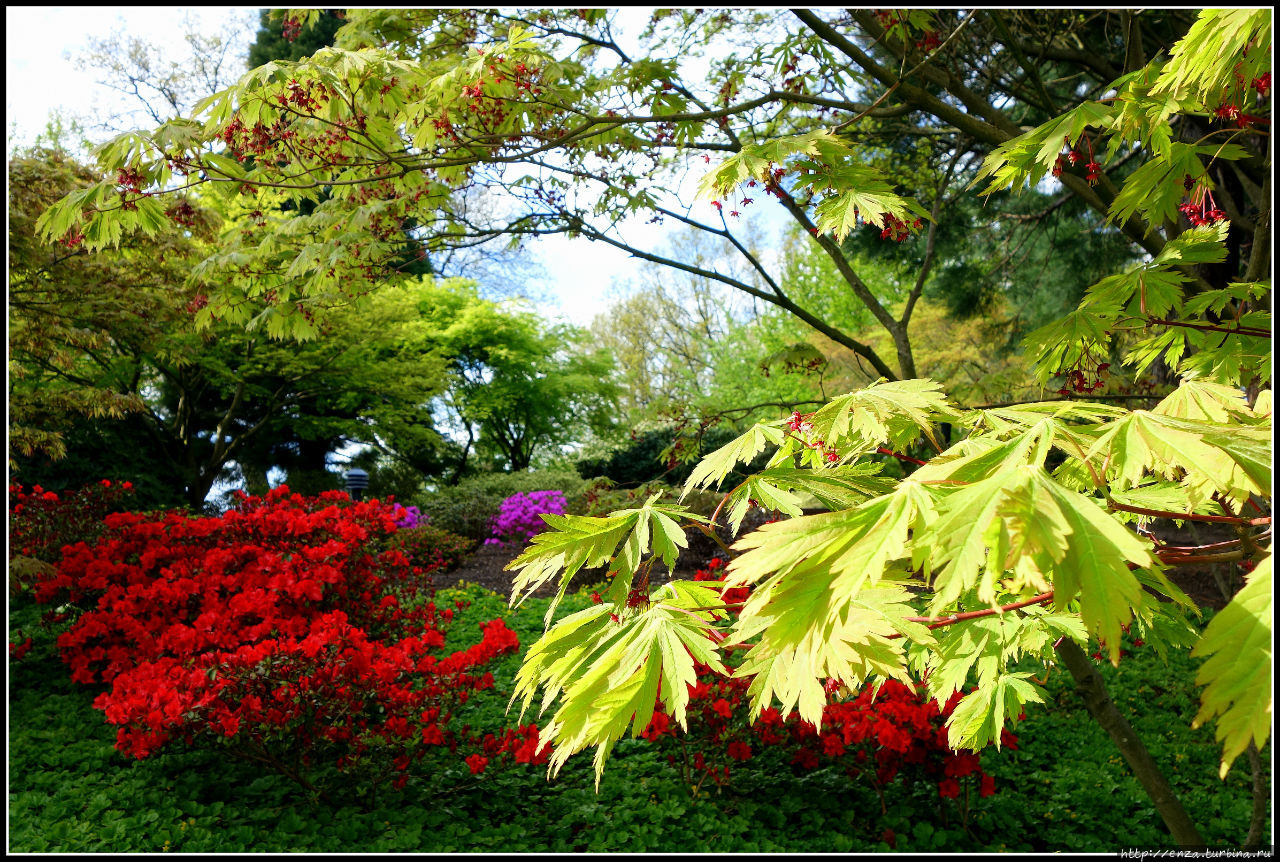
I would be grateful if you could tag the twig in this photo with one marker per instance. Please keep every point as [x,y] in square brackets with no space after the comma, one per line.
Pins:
[939,622]
[1187,516]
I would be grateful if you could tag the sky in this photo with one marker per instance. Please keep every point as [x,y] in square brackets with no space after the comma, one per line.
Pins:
[581,277]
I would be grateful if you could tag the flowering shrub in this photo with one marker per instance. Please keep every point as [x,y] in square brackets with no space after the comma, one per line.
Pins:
[408,517]
[42,522]
[897,731]
[431,548]
[276,632]
[519,518]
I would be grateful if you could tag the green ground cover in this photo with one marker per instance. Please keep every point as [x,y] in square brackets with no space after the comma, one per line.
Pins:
[1063,789]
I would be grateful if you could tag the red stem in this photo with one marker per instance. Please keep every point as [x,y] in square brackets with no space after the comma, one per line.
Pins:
[1183,516]
[883,451]
[1190,549]
[938,622]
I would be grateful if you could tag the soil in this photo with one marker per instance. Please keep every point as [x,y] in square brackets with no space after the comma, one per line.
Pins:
[486,567]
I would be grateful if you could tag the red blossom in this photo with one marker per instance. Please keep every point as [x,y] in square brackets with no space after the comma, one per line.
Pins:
[279,624]
[19,651]
[897,730]
[805,759]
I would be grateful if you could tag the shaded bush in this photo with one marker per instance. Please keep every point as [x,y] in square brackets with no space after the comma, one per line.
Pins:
[640,460]
[42,522]
[468,508]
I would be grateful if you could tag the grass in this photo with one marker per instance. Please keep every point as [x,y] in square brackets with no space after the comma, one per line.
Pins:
[1064,789]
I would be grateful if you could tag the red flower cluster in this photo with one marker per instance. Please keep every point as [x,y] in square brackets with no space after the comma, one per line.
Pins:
[283,631]
[896,731]
[19,651]
[1205,211]
[1092,170]
[898,230]
[42,522]
[1127,639]
[1076,381]
[522,743]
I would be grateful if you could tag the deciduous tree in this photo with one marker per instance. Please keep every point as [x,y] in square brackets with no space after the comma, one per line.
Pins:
[988,554]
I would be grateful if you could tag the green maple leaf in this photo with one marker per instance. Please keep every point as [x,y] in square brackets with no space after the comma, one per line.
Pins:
[574,541]
[895,412]
[1203,456]
[984,457]
[1205,401]
[837,488]
[610,669]
[1022,517]
[715,467]
[980,715]
[578,541]
[809,636]
[1236,673]
[830,602]
[977,642]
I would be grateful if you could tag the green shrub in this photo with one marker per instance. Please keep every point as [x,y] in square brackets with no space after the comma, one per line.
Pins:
[427,545]
[468,507]
[640,459]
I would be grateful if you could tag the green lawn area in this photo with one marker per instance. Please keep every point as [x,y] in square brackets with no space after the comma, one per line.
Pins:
[1065,788]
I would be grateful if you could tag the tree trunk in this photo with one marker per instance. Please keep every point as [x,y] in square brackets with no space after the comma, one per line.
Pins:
[1261,800]
[902,346]
[1094,693]
[198,488]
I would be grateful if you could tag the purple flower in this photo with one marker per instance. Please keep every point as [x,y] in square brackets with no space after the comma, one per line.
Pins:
[407,518]
[519,516]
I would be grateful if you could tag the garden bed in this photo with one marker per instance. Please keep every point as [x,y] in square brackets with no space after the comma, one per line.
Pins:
[1064,788]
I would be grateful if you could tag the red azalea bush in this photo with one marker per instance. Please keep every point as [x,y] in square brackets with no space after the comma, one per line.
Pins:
[897,732]
[284,631]
[42,522]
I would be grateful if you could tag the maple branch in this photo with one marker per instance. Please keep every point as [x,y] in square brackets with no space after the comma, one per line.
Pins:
[708,607]
[710,532]
[1185,516]
[939,622]
[883,451]
[1136,397]
[1191,549]
[783,404]
[1187,559]
[1208,327]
